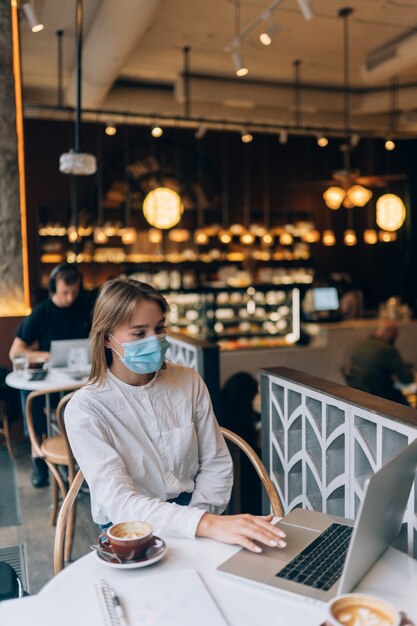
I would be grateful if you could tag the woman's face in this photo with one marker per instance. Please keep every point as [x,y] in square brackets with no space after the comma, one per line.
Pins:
[147,320]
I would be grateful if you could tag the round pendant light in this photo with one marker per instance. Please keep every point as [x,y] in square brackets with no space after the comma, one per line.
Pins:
[349,237]
[154,235]
[359,195]
[179,235]
[333,197]
[390,212]
[370,236]
[163,208]
[328,238]
[128,235]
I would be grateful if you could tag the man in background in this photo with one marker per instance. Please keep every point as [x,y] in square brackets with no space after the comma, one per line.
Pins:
[381,363]
[66,314]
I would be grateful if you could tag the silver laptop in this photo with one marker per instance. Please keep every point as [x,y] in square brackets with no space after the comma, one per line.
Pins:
[60,350]
[327,555]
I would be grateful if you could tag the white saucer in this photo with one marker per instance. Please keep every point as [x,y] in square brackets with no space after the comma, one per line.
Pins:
[154,553]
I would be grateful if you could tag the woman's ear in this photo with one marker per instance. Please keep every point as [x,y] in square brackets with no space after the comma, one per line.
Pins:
[106,341]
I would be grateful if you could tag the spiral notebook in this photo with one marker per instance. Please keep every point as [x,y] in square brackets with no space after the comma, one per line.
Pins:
[176,598]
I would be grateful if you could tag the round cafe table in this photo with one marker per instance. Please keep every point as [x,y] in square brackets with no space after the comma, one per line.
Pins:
[393,577]
[56,381]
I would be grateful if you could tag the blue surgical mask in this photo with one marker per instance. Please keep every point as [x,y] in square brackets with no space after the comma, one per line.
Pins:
[144,356]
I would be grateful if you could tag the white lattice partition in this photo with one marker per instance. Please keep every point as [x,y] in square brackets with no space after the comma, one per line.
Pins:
[321,441]
[182,352]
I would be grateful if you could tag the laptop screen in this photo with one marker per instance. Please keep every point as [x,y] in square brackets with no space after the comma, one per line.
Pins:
[325,299]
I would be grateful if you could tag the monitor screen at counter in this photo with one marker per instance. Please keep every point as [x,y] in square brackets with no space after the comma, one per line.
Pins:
[325,299]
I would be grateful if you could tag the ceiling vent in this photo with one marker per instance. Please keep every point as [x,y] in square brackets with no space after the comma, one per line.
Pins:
[392,59]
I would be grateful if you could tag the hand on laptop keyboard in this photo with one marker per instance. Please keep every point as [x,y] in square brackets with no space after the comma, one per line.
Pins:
[242,530]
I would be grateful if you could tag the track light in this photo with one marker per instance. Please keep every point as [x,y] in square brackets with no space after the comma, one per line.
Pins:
[322,141]
[200,132]
[157,131]
[389,145]
[269,30]
[246,136]
[29,10]
[240,68]
[110,129]
[283,136]
[305,8]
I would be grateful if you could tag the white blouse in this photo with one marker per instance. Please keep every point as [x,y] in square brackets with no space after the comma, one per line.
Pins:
[139,446]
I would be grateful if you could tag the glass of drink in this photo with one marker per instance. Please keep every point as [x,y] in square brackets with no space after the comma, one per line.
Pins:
[20,364]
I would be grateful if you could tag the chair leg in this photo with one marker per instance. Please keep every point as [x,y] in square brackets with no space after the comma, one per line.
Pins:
[6,431]
[69,531]
[54,504]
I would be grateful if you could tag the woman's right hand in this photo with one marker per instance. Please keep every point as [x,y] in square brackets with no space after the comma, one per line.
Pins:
[242,530]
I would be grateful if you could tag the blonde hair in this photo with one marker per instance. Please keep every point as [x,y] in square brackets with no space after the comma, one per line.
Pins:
[114,306]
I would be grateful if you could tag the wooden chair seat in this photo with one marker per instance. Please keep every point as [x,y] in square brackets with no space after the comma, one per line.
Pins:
[54,449]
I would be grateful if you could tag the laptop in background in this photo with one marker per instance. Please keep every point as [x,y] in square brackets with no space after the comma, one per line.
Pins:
[326,555]
[60,351]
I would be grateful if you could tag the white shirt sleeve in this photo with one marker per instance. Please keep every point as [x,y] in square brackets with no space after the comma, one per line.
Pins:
[111,487]
[214,479]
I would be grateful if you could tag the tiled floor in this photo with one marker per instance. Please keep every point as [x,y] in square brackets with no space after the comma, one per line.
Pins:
[35,533]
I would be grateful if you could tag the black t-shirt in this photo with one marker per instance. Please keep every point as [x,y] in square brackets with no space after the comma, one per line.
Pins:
[49,322]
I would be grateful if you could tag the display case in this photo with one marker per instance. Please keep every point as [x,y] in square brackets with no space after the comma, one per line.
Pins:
[233,317]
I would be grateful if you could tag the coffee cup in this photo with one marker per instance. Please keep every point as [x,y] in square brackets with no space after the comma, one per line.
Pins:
[129,540]
[358,609]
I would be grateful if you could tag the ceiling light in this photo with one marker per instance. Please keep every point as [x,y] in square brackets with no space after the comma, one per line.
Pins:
[236,229]
[333,197]
[349,237]
[154,235]
[283,136]
[311,236]
[200,237]
[179,235]
[35,25]
[240,68]
[163,208]
[267,239]
[156,131]
[99,235]
[128,235]
[110,129]
[390,212]
[72,234]
[387,237]
[305,8]
[268,32]
[225,236]
[370,236]
[389,145]
[359,195]
[328,238]
[322,141]
[286,239]
[77,163]
[200,132]
[247,238]
[246,136]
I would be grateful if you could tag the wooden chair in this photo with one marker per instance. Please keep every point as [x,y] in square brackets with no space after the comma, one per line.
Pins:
[63,533]
[55,449]
[5,428]
[259,468]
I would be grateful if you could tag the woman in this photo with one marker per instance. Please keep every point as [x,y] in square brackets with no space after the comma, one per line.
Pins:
[144,432]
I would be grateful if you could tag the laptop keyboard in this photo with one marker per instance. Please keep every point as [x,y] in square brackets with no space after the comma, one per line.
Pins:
[320,564]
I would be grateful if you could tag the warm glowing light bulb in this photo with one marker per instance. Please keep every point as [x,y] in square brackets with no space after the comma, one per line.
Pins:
[242,71]
[389,145]
[247,238]
[157,131]
[370,236]
[286,239]
[265,39]
[322,142]
[128,235]
[154,235]
[247,137]
[201,237]
[328,238]
[37,28]
[225,236]
[267,239]
[349,238]
[359,195]
[110,129]
[99,235]
[333,197]
[390,212]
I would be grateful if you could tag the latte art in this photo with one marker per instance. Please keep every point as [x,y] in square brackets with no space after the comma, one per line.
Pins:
[363,616]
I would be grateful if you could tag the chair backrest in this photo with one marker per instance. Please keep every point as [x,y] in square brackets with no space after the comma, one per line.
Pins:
[356,377]
[259,467]
[61,524]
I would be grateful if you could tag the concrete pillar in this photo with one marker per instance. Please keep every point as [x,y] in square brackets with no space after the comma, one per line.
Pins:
[12,206]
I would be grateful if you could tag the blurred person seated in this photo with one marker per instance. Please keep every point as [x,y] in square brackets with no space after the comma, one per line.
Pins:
[381,363]
[66,314]
[237,400]
[351,299]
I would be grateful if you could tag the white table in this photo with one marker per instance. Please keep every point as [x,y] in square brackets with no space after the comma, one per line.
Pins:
[393,577]
[55,381]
